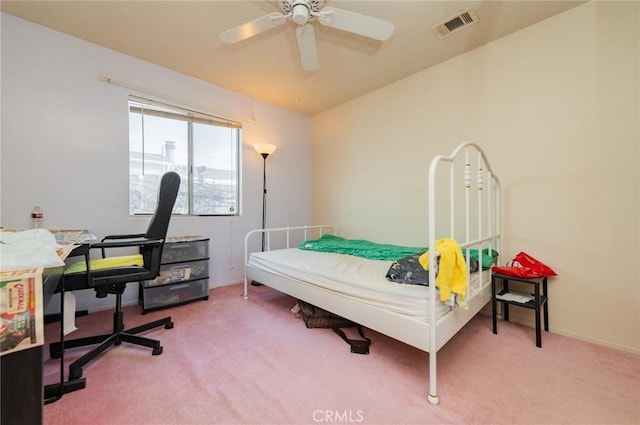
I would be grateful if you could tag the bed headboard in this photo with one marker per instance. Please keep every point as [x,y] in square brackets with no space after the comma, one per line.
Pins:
[464,202]
[464,198]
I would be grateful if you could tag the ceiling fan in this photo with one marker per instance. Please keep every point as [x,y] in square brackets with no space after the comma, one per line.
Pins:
[302,13]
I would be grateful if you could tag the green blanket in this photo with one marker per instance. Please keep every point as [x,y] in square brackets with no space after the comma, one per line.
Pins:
[376,251]
[359,248]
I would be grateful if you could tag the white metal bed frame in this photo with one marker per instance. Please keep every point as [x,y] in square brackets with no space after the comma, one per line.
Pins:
[481,230]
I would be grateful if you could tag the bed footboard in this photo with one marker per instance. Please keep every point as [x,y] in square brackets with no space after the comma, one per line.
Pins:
[279,238]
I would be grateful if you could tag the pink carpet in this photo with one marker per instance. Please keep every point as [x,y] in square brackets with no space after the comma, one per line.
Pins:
[235,361]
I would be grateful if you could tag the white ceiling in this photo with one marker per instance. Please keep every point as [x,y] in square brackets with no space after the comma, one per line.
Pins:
[183,35]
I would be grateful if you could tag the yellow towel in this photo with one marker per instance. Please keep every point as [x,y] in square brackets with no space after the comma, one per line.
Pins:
[452,269]
[107,263]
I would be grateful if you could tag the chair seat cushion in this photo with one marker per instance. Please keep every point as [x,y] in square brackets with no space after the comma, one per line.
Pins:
[106,263]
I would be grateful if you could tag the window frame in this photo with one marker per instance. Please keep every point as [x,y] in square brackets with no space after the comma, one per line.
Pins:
[147,107]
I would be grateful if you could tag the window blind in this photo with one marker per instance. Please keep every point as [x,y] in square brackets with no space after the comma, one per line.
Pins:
[153,108]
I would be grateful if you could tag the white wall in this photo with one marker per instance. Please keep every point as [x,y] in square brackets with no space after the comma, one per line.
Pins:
[65,145]
[555,106]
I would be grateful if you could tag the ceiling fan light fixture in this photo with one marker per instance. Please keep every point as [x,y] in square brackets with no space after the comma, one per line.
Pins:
[303,13]
[300,13]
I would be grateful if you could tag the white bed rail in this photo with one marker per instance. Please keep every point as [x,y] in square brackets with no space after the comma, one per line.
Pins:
[302,232]
[481,233]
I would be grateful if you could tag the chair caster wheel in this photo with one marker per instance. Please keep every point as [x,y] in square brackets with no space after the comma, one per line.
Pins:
[169,325]
[157,351]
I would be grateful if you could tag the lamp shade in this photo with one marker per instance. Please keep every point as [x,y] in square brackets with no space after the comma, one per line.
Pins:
[265,148]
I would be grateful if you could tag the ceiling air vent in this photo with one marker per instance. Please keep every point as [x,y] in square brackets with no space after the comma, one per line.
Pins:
[455,23]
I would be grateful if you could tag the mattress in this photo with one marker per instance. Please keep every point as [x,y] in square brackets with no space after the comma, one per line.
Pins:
[354,277]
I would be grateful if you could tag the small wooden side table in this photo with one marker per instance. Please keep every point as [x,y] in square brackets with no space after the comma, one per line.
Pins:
[540,300]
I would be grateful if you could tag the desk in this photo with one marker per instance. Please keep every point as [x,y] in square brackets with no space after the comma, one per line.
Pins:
[22,389]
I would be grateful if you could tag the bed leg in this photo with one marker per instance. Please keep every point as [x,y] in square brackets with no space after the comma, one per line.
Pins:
[245,290]
[433,399]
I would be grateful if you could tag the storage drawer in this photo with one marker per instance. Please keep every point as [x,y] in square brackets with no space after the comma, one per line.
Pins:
[162,296]
[174,252]
[172,273]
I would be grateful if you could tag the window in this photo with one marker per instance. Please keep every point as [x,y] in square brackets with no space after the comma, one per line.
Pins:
[202,148]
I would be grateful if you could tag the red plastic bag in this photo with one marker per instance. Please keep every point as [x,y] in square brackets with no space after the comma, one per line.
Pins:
[523,272]
[525,266]
[527,260]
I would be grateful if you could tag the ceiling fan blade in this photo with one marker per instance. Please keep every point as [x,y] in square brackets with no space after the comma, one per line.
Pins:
[307,47]
[252,28]
[356,23]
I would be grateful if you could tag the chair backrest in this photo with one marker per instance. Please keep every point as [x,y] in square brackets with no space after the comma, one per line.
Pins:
[159,224]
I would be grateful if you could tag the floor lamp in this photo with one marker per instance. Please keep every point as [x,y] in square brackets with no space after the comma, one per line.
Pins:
[265,150]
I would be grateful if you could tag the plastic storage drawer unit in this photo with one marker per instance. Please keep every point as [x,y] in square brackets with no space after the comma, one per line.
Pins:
[178,272]
[184,250]
[184,274]
[166,295]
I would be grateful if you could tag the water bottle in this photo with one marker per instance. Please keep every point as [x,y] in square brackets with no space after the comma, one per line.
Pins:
[36,217]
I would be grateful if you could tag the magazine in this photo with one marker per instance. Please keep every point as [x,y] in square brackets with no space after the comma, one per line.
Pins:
[21,310]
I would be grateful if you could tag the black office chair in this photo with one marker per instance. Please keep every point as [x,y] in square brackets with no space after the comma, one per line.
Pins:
[110,275]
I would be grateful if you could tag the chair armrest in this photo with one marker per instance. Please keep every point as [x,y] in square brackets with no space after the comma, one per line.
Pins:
[132,236]
[86,248]
[125,244]
[136,239]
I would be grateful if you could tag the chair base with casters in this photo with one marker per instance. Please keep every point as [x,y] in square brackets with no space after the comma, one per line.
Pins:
[105,341]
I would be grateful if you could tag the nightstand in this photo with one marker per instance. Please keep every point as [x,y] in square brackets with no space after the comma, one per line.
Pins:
[536,301]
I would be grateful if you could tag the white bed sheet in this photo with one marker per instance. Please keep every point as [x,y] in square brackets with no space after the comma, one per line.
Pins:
[350,276]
